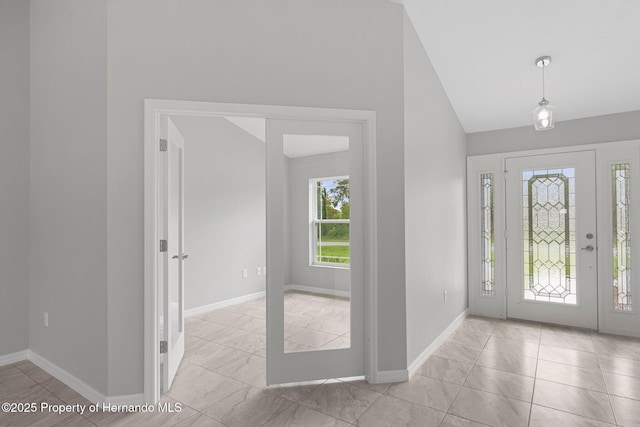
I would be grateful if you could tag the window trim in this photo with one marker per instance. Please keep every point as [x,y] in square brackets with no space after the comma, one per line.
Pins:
[313,222]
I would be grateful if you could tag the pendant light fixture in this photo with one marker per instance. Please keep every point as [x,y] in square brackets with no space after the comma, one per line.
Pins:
[543,116]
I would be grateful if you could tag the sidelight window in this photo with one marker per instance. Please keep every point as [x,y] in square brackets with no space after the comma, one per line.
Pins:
[620,182]
[487,234]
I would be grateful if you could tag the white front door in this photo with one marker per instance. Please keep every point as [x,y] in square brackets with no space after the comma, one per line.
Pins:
[315,250]
[174,257]
[551,239]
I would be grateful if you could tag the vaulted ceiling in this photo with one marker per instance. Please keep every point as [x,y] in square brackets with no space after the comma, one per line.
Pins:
[484,53]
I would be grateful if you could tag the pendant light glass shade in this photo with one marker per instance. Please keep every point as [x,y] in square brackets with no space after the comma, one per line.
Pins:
[544,115]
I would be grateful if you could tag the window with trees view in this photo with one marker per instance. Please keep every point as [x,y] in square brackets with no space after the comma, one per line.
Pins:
[330,221]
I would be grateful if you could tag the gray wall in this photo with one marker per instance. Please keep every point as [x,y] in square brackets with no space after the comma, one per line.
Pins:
[225,228]
[608,128]
[333,53]
[435,222]
[14,175]
[68,183]
[302,169]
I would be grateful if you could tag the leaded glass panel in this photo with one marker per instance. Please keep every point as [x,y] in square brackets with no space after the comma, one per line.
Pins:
[549,235]
[486,234]
[620,181]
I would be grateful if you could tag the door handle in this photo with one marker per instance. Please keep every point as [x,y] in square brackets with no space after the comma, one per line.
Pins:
[587,248]
[184,256]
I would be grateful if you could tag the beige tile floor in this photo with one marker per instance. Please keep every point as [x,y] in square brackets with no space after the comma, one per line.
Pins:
[489,372]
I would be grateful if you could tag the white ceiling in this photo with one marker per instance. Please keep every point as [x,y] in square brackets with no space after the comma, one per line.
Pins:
[310,145]
[254,126]
[484,53]
[293,145]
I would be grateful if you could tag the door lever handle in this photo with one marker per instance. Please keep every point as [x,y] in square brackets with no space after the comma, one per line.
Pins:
[587,248]
[177,257]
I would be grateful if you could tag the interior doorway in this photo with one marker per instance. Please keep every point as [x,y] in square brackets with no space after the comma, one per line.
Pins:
[157,258]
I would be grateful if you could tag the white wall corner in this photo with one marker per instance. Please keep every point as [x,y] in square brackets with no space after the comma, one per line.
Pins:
[431,348]
[397,376]
[11,358]
[397,1]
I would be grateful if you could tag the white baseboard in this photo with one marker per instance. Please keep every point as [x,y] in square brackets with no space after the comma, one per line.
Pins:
[70,380]
[397,376]
[314,290]
[222,304]
[431,348]
[233,301]
[84,389]
[11,358]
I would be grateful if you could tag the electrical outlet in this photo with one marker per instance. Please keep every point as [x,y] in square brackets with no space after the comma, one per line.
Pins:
[245,273]
[264,271]
[259,271]
[46,319]
[445,296]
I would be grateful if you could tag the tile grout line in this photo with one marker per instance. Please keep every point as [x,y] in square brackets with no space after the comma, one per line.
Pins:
[277,413]
[368,408]
[606,386]
[574,415]
[322,412]
[573,386]
[535,378]
[468,373]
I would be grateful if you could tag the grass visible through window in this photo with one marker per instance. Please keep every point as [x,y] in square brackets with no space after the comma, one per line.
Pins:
[334,254]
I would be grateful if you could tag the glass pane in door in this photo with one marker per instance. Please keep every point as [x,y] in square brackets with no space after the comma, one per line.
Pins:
[317,204]
[549,235]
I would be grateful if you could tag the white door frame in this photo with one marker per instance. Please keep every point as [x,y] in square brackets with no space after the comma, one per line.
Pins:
[496,305]
[153,110]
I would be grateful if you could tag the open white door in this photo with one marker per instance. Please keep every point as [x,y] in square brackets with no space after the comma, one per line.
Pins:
[315,250]
[172,230]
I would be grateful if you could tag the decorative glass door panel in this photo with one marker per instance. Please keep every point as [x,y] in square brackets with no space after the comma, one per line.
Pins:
[549,235]
[551,239]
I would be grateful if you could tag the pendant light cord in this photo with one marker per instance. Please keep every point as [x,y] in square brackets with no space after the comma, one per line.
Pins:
[543,67]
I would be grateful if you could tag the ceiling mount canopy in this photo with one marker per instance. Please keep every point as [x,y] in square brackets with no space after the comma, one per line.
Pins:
[543,115]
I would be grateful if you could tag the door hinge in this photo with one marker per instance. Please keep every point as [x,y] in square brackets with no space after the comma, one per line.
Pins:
[163,145]
[164,347]
[163,246]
